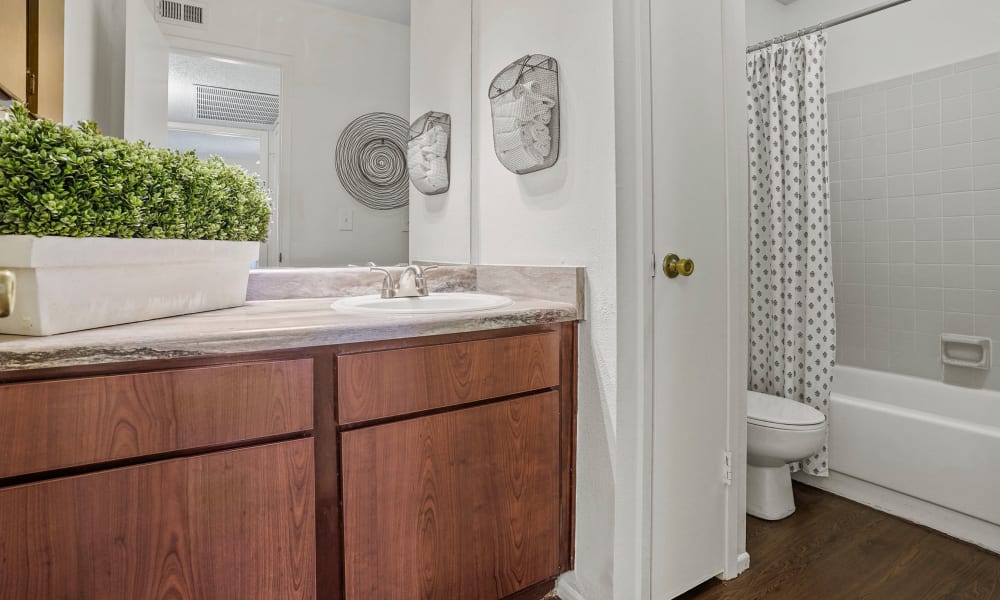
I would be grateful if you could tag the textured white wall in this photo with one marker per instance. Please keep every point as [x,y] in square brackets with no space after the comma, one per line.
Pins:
[561,216]
[909,38]
[94,57]
[340,65]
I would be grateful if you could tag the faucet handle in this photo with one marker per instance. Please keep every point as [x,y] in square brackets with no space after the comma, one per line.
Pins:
[388,283]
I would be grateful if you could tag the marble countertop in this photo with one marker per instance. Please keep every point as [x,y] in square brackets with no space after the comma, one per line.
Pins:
[260,326]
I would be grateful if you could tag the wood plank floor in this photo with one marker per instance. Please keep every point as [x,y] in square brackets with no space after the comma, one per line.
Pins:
[832,549]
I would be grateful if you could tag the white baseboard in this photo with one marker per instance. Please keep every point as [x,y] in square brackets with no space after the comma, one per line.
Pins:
[566,591]
[955,524]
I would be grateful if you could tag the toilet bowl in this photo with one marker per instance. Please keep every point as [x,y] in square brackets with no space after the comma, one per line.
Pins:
[779,431]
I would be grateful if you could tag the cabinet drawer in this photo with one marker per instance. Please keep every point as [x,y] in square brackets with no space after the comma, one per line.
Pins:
[236,524]
[375,385]
[461,504]
[72,422]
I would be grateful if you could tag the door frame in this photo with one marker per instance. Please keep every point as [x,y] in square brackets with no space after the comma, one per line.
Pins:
[636,268]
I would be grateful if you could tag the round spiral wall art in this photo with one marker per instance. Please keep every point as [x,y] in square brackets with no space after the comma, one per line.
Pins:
[371,160]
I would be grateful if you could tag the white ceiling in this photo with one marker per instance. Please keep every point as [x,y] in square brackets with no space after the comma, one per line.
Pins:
[390,10]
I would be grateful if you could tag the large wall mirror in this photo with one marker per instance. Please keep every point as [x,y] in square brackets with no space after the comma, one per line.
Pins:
[270,85]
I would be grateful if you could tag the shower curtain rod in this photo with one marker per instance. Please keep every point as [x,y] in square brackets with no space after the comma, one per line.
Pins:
[825,24]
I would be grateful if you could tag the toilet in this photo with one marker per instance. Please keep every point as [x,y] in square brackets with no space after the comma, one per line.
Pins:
[779,431]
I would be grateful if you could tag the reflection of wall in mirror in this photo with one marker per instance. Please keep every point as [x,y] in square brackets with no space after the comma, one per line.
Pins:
[338,65]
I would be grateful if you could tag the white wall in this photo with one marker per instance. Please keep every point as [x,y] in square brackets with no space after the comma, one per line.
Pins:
[909,38]
[94,58]
[440,72]
[147,58]
[561,216]
[337,66]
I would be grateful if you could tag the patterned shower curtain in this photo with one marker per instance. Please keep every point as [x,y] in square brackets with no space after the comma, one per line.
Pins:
[792,328]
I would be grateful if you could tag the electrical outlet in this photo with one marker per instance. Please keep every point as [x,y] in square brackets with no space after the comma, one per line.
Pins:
[345,222]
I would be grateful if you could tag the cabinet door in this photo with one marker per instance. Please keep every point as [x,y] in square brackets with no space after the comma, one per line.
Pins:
[14,48]
[463,504]
[237,524]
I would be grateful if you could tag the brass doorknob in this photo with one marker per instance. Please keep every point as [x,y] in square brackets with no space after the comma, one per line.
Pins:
[674,265]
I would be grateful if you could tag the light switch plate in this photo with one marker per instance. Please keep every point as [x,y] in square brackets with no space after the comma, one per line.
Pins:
[345,220]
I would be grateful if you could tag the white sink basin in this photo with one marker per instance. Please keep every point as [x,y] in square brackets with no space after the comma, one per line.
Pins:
[434,303]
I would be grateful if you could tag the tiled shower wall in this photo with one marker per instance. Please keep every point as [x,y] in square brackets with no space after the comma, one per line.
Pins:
[915,200]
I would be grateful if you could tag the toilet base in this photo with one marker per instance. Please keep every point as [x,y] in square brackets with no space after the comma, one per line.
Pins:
[769,492]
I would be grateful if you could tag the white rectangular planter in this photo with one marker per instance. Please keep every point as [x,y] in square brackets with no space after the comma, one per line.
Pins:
[68,284]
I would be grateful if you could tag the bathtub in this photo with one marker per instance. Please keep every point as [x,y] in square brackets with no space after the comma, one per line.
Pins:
[918,448]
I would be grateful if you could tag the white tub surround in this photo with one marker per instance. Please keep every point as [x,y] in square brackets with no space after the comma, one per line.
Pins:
[921,449]
[69,284]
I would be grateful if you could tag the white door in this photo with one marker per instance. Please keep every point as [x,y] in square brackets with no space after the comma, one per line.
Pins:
[690,410]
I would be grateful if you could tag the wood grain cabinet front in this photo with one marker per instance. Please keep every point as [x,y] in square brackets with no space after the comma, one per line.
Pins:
[388,383]
[237,524]
[65,423]
[463,504]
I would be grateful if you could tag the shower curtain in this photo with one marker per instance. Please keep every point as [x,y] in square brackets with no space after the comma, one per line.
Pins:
[792,328]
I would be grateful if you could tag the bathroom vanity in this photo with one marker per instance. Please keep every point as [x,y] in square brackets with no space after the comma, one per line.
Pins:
[354,459]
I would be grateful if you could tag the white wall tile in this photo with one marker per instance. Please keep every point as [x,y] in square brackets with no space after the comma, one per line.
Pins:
[986,78]
[850,128]
[901,274]
[985,103]
[874,166]
[928,298]
[927,275]
[850,107]
[901,230]
[877,274]
[901,141]
[927,206]
[953,109]
[900,185]
[958,301]
[960,323]
[874,145]
[985,128]
[898,97]
[988,278]
[987,202]
[957,252]
[900,208]
[926,91]
[873,102]
[987,177]
[927,230]
[872,123]
[901,252]
[927,160]
[926,137]
[959,277]
[850,149]
[851,169]
[926,114]
[929,321]
[876,252]
[898,120]
[876,209]
[956,132]
[927,183]
[954,157]
[956,180]
[927,253]
[899,164]
[988,253]
[956,85]
[988,303]
[957,205]
[873,188]
[957,229]
[878,231]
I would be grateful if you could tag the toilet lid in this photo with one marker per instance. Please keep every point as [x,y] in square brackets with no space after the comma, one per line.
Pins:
[774,411]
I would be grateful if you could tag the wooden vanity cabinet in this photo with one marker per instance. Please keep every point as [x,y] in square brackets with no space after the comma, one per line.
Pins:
[31,55]
[456,467]
[424,468]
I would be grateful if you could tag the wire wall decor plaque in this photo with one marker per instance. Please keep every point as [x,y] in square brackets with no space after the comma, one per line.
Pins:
[371,160]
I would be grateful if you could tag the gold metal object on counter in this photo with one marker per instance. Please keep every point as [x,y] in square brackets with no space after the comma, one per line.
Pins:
[7,281]
[674,265]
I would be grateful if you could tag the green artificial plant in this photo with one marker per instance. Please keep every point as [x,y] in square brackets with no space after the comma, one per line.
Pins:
[57,180]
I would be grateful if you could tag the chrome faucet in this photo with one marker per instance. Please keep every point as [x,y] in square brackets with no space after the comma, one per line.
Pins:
[410,284]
